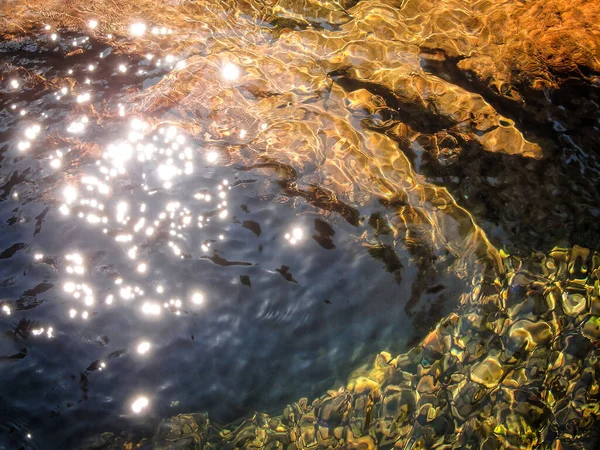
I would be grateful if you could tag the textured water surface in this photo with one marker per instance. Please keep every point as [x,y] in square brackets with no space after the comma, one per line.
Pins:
[221,209]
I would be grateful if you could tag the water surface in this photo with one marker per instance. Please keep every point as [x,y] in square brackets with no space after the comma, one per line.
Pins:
[233,226]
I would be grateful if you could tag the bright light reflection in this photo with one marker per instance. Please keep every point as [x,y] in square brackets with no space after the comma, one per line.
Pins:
[151,309]
[82,98]
[92,23]
[77,126]
[70,194]
[212,156]
[137,29]
[295,236]
[139,404]
[143,347]
[230,71]
[197,298]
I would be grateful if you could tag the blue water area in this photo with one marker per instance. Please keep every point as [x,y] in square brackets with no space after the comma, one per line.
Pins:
[233,295]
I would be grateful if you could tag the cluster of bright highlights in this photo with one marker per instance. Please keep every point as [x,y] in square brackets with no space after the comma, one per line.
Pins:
[295,236]
[78,126]
[48,332]
[31,133]
[161,158]
[161,31]
[155,160]
[137,29]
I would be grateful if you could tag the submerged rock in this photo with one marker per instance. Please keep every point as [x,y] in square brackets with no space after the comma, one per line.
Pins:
[533,386]
[337,99]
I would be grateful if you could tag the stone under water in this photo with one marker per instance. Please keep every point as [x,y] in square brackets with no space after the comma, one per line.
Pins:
[350,102]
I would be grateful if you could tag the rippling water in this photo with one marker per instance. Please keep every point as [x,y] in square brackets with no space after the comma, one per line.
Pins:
[236,208]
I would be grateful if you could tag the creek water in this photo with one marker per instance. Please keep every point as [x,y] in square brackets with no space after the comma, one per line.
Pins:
[148,269]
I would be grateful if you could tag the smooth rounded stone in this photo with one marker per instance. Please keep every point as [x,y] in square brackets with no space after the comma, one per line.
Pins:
[534,305]
[434,342]
[515,378]
[398,403]
[590,328]
[325,437]
[471,433]
[427,385]
[334,410]
[308,437]
[488,372]
[359,442]
[467,401]
[291,414]
[573,304]
[578,264]
[526,335]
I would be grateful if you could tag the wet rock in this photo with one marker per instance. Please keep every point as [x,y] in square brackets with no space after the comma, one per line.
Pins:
[488,372]
[549,377]
[591,328]
[573,304]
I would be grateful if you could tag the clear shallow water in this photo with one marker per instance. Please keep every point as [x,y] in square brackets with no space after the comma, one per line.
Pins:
[315,310]
[233,317]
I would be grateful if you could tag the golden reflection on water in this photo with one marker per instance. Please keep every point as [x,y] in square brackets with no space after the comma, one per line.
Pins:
[263,103]
[331,102]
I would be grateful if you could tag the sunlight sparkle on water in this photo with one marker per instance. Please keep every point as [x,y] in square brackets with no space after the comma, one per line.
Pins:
[139,404]
[137,29]
[230,71]
[151,309]
[32,131]
[70,194]
[143,347]
[197,298]
[212,156]
[77,126]
[82,98]
[296,235]
[151,160]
